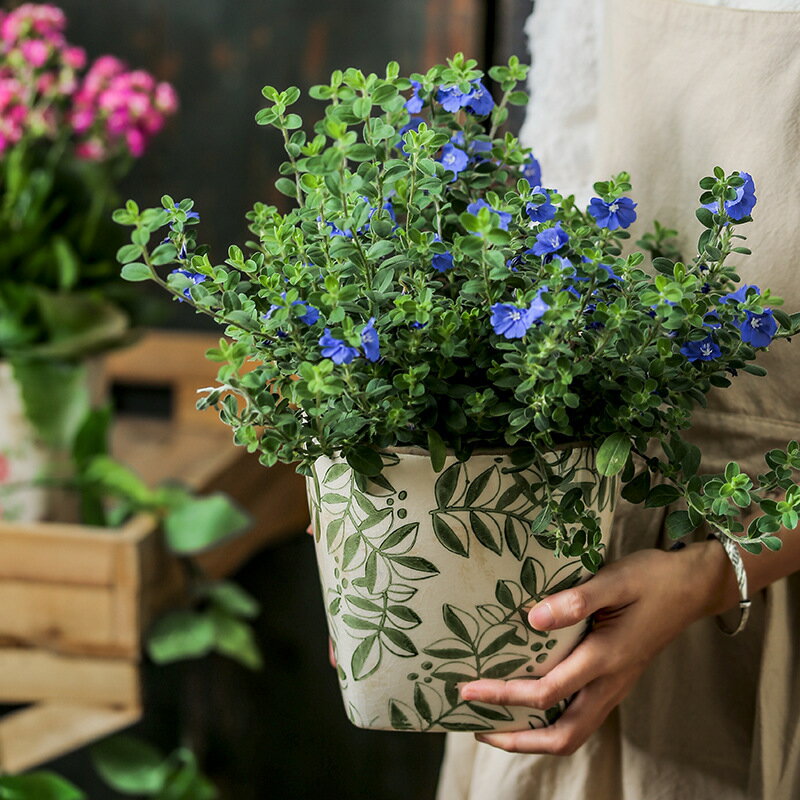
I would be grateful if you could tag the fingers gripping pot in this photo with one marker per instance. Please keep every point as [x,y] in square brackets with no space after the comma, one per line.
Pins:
[427,578]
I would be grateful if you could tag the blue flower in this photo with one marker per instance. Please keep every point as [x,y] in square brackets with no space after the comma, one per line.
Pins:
[452,98]
[704,350]
[337,231]
[453,159]
[618,213]
[532,171]
[512,322]
[369,341]
[335,349]
[758,329]
[538,306]
[414,103]
[194,277]
[442,262]
[610,272]
[550,240]
[541,212]
[417,325]
[310,314]
[474,208]
[745,200]
[740,295]
[475,148]
[479,100]
[711,320]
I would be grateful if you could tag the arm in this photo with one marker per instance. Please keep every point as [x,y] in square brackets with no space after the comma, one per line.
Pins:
[640,603]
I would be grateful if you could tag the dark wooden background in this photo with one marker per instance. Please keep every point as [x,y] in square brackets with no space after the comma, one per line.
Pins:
[280,733]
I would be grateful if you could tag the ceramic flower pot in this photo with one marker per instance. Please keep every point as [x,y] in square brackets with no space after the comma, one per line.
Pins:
[22,459]
[427,579]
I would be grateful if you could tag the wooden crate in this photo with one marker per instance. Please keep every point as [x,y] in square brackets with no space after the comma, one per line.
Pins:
[75,600]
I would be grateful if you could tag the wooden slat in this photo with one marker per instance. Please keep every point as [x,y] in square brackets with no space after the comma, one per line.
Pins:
[45,731]
[68,618]
[31,675]
[53,552]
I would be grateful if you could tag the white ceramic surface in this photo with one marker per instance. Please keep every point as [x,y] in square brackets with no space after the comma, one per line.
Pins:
[22,459]
[427,578]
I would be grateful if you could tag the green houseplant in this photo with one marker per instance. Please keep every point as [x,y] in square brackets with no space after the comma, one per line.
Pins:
[464,362]
[68,134]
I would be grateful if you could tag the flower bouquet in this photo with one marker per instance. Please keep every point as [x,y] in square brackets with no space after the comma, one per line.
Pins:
[67,136]
[468,367]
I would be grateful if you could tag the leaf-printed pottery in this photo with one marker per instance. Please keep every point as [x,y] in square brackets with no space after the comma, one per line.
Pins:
[22,459]
[427,579]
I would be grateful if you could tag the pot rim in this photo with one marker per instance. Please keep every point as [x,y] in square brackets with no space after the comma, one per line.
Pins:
[414,450]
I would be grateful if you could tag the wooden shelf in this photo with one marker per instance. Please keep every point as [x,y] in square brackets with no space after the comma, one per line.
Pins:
[76,600]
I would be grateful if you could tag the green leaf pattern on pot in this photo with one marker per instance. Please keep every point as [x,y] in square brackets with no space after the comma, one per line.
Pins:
[402,556]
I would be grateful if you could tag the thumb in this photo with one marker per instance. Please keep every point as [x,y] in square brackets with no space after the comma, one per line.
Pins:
[571,606]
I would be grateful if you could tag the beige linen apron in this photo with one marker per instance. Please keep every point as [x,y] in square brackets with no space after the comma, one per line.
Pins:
[684,87]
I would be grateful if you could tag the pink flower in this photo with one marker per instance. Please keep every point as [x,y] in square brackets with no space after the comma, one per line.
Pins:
[90,150]
[74,57]
[35,52]
[5,469]
[139,79]
[106,67]
[81,120]
[136,142]
[45,82]
[166,98]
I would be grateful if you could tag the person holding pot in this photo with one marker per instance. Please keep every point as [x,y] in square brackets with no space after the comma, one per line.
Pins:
[666,703]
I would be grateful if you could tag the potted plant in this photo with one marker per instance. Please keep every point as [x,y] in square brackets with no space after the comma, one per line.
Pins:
[464,363]
[67,136]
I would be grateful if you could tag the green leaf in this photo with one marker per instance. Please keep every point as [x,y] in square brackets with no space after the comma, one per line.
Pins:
[287,187]
[232,599]
[449,538]
[678,524]
[484,535]
[504,668]
[56,399]
[200,524]
[613,454]
[399,718]
[235,639]
[437,449]
[662,495]
[130,765]
[491,712]
[180,635]
[401,641]
[453,619]
[366,658]
[137,272]
[446,485]
[636,491]
[365,460]
[38,786]
[128,253]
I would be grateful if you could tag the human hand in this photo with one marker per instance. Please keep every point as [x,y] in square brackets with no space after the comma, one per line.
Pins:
[640,603]
[331,656]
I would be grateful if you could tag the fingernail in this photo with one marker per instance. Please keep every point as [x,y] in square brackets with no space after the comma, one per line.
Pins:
[541,617]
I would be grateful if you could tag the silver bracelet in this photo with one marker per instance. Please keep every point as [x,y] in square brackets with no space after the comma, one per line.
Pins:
[732,551]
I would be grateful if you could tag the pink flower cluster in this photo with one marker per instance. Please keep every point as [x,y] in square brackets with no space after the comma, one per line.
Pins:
[108,112]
